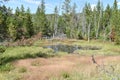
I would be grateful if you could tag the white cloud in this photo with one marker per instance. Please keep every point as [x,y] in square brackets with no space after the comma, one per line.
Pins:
[49,6]
[93,6]
[33,2]
[118,3]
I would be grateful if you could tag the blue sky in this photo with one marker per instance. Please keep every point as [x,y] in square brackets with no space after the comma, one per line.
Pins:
[50,4]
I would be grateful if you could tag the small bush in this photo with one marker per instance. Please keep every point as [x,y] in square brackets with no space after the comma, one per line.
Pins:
[6,67]
[2,49]
[22,70]
[66,75]
[35,63]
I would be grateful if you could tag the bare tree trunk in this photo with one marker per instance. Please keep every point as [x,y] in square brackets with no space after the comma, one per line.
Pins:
[84,26]
[89,32]
[98,27]
[97,30]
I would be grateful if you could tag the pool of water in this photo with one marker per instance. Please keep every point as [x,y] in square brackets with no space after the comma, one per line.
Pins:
[70,48]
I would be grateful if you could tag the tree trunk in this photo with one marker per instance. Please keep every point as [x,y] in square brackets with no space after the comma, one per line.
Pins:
[89,32]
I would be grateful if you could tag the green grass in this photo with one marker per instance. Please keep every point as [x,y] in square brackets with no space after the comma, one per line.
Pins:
[6,67]
[16,53]
[10,76]
[2,49]
[107,48]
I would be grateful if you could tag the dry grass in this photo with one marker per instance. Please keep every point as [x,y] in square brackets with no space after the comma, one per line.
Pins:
[69,67]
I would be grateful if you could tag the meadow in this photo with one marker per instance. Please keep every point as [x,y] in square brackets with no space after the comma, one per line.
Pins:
[38,63]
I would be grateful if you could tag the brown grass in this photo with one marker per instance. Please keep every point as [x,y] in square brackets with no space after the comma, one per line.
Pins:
[53,67]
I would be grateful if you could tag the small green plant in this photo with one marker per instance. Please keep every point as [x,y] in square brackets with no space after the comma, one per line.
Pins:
[6,67]
[66,75]
[22,70]
[2,49]
[35,63]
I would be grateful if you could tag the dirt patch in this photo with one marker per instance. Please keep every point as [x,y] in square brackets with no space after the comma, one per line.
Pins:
[44,68]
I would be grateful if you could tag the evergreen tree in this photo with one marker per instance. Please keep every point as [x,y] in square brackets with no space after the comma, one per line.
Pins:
[66,16]
[99,10]
[73,22]
[29,23]
[43,20]
[42,23]
[106,22]
[3,25]
[88,16]
[23,23]
[37,21]
[12,29]
[115,21]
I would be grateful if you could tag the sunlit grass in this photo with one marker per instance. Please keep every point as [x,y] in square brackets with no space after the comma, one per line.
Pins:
[15,53]
[107,48]
[91,74]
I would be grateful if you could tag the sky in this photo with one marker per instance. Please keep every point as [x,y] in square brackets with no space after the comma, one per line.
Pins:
[50,4]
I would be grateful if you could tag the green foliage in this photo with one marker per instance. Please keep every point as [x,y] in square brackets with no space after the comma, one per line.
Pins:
[4,13]
[12,29]
[22,70]
[115,22]
[35,63]
[41,23]
[65,75]
[2,49]
[6,67]
[92,23]
[12,54]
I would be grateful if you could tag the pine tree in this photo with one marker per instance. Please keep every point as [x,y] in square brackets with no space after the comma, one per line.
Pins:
[99,9]
[3,25]
[41,20]
[19,23]
[29,23]
[37,21]
[106,22]
[73,22]
[66,16]
[12,29]
[88,16]
[115,21]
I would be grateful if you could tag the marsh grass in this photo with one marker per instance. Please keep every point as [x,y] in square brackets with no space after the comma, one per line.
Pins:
[106,48]
[89,75]
[16,53]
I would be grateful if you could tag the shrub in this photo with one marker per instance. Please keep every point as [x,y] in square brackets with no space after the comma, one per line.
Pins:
[6,67]
[2,49]
[66,75]
[22,70]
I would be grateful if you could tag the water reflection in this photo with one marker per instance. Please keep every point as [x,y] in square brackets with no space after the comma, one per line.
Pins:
[70,48]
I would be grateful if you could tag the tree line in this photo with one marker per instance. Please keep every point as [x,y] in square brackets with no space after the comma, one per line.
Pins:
[92,23]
